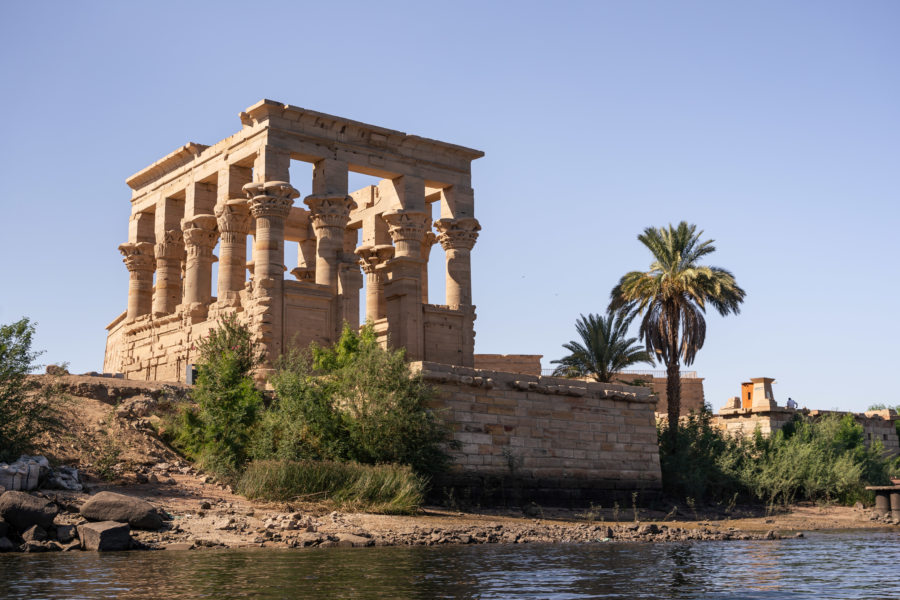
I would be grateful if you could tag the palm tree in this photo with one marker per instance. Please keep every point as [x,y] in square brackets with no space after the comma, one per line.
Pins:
[672,297]
[604,350]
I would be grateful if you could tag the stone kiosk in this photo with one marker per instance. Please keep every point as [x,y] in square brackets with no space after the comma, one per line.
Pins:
[520,435]
[237,195]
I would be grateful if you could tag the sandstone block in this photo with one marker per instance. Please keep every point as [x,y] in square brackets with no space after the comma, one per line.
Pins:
[105,536]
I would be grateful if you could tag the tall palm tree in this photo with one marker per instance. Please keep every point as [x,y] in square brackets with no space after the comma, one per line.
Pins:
[672,297]
[604,350]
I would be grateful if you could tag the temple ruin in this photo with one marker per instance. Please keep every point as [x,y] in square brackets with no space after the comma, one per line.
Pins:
[198,197]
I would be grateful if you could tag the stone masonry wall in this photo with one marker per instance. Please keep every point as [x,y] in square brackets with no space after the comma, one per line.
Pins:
[510,363]
[551,440]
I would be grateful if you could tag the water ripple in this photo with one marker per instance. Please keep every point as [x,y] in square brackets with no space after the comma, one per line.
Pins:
[835,566]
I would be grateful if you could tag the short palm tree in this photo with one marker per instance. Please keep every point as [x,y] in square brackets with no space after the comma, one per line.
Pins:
[604,350]
[672,297]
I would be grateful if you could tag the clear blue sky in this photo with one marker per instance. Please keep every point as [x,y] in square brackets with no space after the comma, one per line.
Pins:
[774,126]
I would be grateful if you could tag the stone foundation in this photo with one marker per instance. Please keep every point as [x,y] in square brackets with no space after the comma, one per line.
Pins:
[550,440]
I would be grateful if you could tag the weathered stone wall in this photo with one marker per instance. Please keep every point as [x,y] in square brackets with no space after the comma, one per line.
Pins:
[547,439]
[877,425]
[510,363]
[692,397]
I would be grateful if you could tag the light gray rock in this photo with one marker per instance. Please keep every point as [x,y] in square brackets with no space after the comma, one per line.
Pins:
[105,536]
[109,506]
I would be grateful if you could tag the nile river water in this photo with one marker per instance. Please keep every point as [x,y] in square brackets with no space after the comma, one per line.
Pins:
[821,566]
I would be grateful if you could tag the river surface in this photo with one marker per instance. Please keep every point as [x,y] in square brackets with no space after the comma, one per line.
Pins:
[826,566]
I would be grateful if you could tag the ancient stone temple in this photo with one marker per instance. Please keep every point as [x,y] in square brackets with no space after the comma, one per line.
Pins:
[237,195]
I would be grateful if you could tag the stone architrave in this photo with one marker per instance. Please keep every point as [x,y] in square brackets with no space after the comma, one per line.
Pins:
[200,237]
[140,261]
[329,216]
[457,237]
[372,259]
[233,219]
[169,258]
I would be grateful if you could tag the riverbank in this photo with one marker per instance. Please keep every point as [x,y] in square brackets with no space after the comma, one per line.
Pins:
[200,514]
[110,436]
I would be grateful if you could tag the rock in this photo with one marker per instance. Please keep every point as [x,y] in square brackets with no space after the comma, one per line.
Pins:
[105,536]
[348,540]
[179,546]
[139,406]
[34,547]
[109,506]
[22,510]
[309,539]
[205,505]
[4,528]
[6,545]
[65,533]
[35,533]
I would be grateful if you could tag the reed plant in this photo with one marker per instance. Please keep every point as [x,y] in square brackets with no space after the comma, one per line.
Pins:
[385,489]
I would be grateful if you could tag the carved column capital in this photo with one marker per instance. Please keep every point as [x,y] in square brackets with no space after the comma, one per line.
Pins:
[138,256]
[329,211]
[372,257]
[270,199]
[457,234]
[200,236]
[171,246]
[406,226]
[233,219]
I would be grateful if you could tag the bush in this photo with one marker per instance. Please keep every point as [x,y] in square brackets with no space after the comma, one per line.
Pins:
[354,401]
[216,432]
[387,489]
[26,409]
[823,459]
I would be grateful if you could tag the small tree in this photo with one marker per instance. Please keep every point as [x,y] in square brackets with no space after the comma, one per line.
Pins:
[604,350]
[353,401]
[25,412]
[217,432]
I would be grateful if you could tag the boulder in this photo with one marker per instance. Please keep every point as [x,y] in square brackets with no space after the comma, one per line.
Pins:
[35,533]
[22,510]
[105,536]
[109,506]
[4,528]
[348,540]
[65,533]
[6,545]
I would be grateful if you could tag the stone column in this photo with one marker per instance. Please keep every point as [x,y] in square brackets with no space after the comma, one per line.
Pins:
[233,219]
[404,292]
[329,216]
[270,204]
[457,237]
[199,240]
[140,263]
[372,259]
[427,242]
[169,259]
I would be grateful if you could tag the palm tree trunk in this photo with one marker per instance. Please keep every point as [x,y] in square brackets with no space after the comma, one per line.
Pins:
[673,375]
[673,397]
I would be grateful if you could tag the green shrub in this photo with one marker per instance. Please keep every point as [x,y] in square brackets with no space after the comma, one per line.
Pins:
[217,430]
[822,459]
[354,401]
[27,410]
[387,489]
